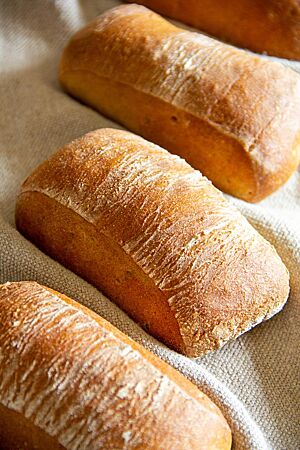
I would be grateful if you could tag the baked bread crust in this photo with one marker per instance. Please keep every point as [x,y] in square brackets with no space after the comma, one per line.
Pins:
[73,381]
[156,236]
[268,26]
[234,116]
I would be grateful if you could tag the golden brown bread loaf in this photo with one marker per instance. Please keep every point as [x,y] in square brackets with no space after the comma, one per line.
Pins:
[70,380]
[265,26]
[154,235]
[234,116]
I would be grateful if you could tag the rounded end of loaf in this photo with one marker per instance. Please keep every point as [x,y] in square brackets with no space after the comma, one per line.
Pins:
[250,303]
[90,385]
[273,165]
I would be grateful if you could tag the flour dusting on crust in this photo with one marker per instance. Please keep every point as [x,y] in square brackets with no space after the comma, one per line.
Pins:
[218,274]
[83,385]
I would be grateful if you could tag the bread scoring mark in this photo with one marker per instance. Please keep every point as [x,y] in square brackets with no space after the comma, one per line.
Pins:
[64,375]
[209,281]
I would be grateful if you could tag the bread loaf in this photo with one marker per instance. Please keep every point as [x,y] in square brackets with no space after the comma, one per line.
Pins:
[232,115]
[70,380]
[268,26]
[156,237]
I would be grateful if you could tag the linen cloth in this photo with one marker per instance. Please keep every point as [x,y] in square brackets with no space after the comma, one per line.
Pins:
[255,379]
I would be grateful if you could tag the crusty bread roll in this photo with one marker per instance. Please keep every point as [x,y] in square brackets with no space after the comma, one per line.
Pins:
[232,115]
[154,235]
[70,380]
[265,26]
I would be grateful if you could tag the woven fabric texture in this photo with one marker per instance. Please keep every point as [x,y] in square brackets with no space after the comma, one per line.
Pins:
[255,379]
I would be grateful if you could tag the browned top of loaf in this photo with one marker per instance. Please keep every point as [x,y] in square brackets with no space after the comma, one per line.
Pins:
[269,25]
[88,385]
[219,275]
[254,101]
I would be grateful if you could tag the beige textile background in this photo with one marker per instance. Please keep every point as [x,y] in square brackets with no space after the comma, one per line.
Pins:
[255,380]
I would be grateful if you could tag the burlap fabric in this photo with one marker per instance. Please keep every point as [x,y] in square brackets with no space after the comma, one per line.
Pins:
[255,380]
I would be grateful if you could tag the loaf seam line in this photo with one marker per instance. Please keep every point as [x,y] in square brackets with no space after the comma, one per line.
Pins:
[215,125]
